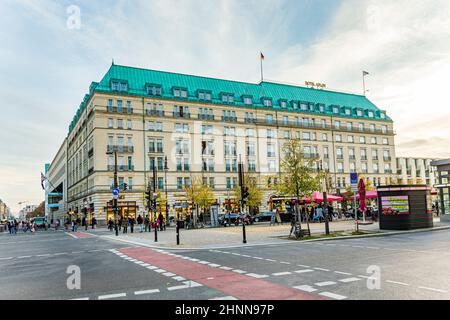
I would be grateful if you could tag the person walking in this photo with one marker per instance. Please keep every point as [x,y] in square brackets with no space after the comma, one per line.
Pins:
[146,223]
[125,225]
[140,221]
[132,223]
[277,216]
[120,223]
[160,221]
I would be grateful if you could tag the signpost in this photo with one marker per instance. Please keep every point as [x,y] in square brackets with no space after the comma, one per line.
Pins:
[354,188]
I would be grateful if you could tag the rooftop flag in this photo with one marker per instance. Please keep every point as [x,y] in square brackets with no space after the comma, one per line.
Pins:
[43,178]
[365,73]
[262,56]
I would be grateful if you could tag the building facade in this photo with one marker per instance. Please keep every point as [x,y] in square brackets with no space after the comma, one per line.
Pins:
[416,171]
[26,210]
[443,186]
[56,186]
[202,126]
[4,211]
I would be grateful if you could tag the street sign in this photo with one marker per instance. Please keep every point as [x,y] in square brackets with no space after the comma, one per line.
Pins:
[115,193]
[354,181]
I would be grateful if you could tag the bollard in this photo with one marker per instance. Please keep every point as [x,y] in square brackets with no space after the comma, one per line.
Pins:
[243,232]
[178,234]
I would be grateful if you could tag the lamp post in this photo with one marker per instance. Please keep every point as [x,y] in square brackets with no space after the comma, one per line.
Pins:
[325,201]
[155,195]
[85,209]
[115,209]
[166,168]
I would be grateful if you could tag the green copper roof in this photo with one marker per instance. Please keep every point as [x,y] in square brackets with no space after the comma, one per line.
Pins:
[137,79]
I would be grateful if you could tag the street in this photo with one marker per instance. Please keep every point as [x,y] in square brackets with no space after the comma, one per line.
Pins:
[411,266]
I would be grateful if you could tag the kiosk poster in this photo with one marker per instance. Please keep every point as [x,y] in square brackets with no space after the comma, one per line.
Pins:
[429,204]
[395,205]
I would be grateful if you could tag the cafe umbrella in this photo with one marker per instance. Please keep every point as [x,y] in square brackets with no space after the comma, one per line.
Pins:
[362,198]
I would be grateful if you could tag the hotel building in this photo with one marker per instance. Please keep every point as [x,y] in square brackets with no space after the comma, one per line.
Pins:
[416,171]
[203,125]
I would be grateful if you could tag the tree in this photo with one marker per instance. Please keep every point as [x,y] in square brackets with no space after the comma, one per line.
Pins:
[255,197]
[298,177]
[38,212]
[200,194]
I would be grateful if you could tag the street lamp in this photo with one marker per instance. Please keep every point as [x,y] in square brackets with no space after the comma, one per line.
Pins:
[116,222]
[166,168]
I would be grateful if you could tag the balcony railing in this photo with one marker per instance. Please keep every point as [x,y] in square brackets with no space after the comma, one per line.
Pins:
[352,157]
[364,158]
[120,167]
[156,113]
[388,158]
[311,155]
[388,171]
[122,110]
[120,149]
[157,150]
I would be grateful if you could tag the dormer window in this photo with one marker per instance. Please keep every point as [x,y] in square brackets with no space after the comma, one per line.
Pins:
[382,115]
[180,93]
[117,85]
[359,113]
[154,90]
[304,106]
[227,97]
[248,100]
[370,114]
[311,107]
[335,110]
[283,103]
[321,108]
[347,111]
[294,104]
[267,102]
[204,95]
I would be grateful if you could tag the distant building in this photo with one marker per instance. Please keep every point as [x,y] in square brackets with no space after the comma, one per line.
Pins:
[4,210]
[28,209]
[443,186]
[415,171]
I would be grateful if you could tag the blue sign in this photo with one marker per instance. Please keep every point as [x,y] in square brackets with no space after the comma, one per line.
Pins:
[354,178]
[115,192]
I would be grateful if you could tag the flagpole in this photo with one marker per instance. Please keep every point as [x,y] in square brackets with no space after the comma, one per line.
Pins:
[364,84]
[262,74]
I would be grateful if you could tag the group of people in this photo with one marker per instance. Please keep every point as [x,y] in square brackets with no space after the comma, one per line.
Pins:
[14,226]
[144,223]
[75,223]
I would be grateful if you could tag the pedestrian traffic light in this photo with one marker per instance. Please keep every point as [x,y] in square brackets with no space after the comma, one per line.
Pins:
[245,193]
[148,197]
[125,187]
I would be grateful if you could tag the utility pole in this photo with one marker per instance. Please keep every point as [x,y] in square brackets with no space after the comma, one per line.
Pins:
[155,195]
[243,192]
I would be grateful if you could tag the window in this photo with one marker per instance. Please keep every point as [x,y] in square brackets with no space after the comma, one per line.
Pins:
[385,141]
[248,101]
[227,98]
[129,106]
[294,104]
[119,123]
[382,115]
[270,133]
[179,183]
[352,167]
[364,167]
[384,129]
[154,90]
[374,154]
[305,122]
[337,124]
[251,166]
[130,163]
[286,120]
[306,136]
[362,139]
[323,123]
[349,126]
[250,132]
[335,110]
[372,128]
[347,112]
[375,168]
[110,140]
[110,105]
[373,140]
[271,166]
[321,108]
[119,86]
[110,123]
[359,113]
[296,121]
[129,126]
[339,153]
[370,113]
[363,154]
[270,150]
[250,149]
[130,141]
[269,119]
[286,134]
[283,104]
[361,127]
[340,167]
[267,102]
[159,145]
[304,106]
[350,139]
[338,138]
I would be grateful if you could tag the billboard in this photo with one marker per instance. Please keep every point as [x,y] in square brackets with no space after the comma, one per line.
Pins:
[393,205]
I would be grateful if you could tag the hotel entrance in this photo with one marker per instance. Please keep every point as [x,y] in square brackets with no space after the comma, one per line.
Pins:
[125,209]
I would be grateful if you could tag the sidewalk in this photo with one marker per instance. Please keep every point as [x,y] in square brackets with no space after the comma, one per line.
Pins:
[262,234]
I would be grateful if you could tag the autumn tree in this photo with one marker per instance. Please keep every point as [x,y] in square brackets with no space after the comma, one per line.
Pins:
[255,197]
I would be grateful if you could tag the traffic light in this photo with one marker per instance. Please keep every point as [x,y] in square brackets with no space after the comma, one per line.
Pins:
[148,197]
[245,194]
[125,187]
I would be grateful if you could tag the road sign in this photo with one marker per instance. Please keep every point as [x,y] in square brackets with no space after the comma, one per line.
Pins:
[115,193]
[354,181]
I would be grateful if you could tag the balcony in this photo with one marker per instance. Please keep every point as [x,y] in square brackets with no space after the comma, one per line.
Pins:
[389,171]
[375,158]
[340,157]
[352,157]
[153,150]
[91,152]
[120,149]
[311,155]
[271,154]
[121,110]
[387,158]
[363,158]
[120,168]
[156,113]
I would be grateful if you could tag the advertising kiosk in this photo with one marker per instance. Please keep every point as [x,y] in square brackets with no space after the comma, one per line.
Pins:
[405,207]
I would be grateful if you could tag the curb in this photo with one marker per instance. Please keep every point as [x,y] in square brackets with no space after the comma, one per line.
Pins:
[288,242]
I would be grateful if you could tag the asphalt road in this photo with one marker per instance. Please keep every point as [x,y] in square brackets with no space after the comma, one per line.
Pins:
[410,266]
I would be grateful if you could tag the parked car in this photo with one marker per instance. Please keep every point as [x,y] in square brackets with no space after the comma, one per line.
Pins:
[263,216]
[223,219]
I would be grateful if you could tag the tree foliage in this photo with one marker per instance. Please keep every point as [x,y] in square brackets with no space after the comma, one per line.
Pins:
[255,194]
[200,194]
[298,177]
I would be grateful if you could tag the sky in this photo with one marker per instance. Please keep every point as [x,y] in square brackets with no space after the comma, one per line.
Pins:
[52,50]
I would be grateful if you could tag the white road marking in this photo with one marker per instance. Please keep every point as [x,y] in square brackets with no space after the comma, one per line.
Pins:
[140,262]
[325,283]
[347,280]
[305,288]
[303,266]
[225,268]
[112,296]
[332,295]
[258,258]
[169,274]
[71,235]
[246,255]
[195,260]
[358,247]
[433,289]
[178,278]
[283,262]
[344,273]
[374,248]
[304,271]
[192,284]
[239,271]
[152,267]
[59,253]
[145,265]
[214,265]
[277,274]
[177,287]
[86,298]
[160,270]
[257,276]
[322,269]
[204,262]
[396,282]
[236,254]
[224,298]
[23,257]
[146,291]
[365,277]
[7,258]
[271,260]
[73,252]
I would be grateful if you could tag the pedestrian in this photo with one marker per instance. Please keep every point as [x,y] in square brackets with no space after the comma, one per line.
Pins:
[277,216]
[188,221]
[120,223]
[132,223]
[147,223]
[94,223]
[160,221]
[125,225]
[200,219]
[140,221]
